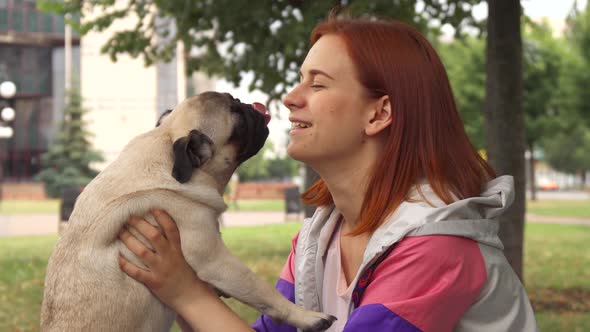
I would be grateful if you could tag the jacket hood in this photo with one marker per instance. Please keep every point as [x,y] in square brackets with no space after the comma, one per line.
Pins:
[475,217]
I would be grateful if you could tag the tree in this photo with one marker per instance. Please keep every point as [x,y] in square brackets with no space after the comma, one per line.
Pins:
[578,34]
[567,151]
[228,38]
[280,168]
[68,159]
[255,168]
[261,167]
[465,63]
[542,71]
[505,131]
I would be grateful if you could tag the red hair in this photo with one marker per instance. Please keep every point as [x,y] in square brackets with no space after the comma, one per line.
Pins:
[426,138]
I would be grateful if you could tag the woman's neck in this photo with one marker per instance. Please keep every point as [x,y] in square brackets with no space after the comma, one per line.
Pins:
[347,186]
[348,177]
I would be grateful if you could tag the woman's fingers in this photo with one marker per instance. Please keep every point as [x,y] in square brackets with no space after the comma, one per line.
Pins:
[136,247]
[136,272]
[168,225]
[148,231]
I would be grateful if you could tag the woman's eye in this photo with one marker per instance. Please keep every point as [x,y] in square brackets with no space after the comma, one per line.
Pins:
[317,86]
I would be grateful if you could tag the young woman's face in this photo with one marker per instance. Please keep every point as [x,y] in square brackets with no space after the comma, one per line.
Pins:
[328,106]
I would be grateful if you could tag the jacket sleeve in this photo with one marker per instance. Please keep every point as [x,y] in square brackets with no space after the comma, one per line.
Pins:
[285,285]
[427,283]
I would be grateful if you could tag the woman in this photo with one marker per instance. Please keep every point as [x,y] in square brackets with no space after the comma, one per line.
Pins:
[404,237]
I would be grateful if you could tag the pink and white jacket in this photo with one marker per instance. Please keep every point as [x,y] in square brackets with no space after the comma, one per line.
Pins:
[427,268]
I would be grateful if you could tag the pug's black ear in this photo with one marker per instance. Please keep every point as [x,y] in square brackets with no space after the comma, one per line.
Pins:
[190,152]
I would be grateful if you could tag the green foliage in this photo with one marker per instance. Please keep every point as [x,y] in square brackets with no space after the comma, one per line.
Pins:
[546,65]
[255,168]
[465,64]
[261,167]
[67,162]
[281,168]
[579,30]
[228,38]
[567,148]
[569,151]
[542,68]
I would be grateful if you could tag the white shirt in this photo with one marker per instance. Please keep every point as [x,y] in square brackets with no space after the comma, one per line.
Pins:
[336,293]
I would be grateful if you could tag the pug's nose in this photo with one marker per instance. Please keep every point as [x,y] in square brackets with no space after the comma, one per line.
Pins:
[262,110]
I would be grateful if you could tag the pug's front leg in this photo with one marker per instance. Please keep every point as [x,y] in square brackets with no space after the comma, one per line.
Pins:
[226,273]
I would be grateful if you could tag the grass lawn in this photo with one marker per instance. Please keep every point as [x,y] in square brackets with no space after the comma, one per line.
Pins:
[52,206]
[11,206]
[257,205]
[556,262]
[561,208]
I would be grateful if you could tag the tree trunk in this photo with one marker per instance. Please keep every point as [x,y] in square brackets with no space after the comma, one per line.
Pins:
[505,134]
[310,178]
[532,172]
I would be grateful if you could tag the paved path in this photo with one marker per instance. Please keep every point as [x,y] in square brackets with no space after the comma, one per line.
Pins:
[43,224]
[557,220]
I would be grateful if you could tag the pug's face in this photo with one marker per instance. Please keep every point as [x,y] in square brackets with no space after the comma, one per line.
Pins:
[215,133]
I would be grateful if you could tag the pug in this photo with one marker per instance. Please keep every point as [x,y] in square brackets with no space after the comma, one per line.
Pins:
[182,166]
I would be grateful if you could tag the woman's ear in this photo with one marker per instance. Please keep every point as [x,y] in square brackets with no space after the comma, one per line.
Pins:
[380,116]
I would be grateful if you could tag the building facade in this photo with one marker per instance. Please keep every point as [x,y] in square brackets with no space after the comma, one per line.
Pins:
[31,56]
[125,98]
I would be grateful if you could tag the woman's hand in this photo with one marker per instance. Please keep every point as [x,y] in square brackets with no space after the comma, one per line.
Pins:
[169,277]
[172,280]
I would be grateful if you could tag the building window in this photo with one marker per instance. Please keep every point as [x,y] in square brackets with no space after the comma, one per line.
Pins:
[3,19]
[31,21]
[23,16]
[29,66]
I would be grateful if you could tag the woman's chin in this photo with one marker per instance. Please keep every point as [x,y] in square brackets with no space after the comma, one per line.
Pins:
[297,153]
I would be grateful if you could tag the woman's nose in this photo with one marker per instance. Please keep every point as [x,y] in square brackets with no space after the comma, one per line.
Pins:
[293,99]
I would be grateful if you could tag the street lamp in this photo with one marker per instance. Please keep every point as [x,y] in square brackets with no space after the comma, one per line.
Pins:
[7,89]
[7,92]
[7,114]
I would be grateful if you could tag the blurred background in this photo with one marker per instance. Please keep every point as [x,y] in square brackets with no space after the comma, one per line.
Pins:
[79,79]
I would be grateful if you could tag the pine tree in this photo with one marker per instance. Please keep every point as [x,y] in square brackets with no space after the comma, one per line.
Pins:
[67,161]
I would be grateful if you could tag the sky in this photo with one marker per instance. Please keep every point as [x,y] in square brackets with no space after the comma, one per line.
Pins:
[554,10]
[550,8]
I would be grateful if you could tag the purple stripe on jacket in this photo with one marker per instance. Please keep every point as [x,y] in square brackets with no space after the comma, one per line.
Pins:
[377,318]
[265,323]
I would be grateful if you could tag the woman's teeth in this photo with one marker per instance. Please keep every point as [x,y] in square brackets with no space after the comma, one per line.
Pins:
[299,125]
